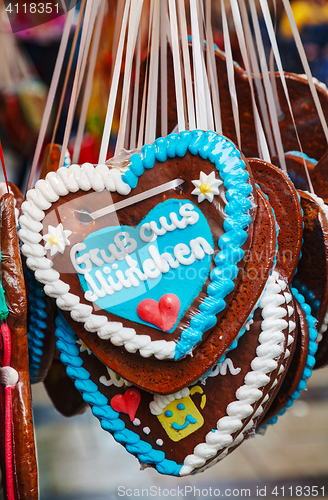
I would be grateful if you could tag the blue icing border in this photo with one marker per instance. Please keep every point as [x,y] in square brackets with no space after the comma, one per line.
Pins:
[308,295]
[37,326]
[226,159]
[313,334]
[300,155]
[109,418]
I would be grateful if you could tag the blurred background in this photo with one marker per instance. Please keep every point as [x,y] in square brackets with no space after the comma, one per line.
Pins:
[79,461]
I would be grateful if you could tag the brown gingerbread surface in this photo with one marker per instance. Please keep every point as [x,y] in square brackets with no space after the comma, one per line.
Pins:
[284,201]
[313,266]
[207,402]
[164,378]
[65,211]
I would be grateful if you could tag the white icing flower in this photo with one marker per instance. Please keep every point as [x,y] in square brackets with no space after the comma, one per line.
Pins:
[56,239]
[206,187]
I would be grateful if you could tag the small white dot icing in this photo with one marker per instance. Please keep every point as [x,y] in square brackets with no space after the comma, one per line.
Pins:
[136,422]
[159,442]
[146,430]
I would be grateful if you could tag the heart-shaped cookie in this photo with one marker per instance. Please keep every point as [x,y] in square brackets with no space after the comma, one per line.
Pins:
[190,429]
[284,200]
[171,376]
[99,261]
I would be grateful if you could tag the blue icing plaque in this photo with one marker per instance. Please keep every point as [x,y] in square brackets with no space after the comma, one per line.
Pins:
[170,251]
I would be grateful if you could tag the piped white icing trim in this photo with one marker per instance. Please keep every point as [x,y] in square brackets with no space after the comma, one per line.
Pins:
[160,402]
[322,85]
[48,191]
[270,348]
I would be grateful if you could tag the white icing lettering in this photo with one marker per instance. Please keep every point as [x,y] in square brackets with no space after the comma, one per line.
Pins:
[103,283]
[126,244]
[165,225]
[93,257]
[130,274]
[146,227]
[180,251]
[83,259]
[199,247]
[164,261]
[187,211]
[97,293]
[188,217]
[150,269]
[155,229]
[108,289]
[116,286]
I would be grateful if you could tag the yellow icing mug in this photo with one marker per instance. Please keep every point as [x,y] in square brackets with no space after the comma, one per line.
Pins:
[181,417]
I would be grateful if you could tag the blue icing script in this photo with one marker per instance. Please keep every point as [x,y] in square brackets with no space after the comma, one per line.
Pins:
[186,280]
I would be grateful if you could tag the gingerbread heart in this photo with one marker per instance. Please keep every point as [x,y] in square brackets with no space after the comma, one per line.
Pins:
[172,376]
[100,261]
[284,200]
[191,429]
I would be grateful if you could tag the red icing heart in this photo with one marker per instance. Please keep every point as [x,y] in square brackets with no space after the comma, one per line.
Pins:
[163,313]
[127,403]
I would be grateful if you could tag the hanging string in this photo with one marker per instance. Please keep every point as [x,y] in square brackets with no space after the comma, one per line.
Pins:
[88,18]
[4,166]
[134,115]
[207,92]
[88,83]
[257,77]
[261,139]
[51,96]
[306,66]
[164,98]
[231,73]
[177,65]
[268,88]
[68,70]
[151,115]
[114,87]
[198,68]
[6,340]
[211,68]
[187,67]
[270,29]
[272,69]
[134,21]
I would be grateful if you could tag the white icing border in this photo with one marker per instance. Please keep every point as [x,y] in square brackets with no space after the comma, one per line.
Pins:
[47,191]
[160,402]
[271,346]
[317,82]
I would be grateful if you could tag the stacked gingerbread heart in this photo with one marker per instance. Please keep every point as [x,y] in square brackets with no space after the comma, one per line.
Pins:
[177,322]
